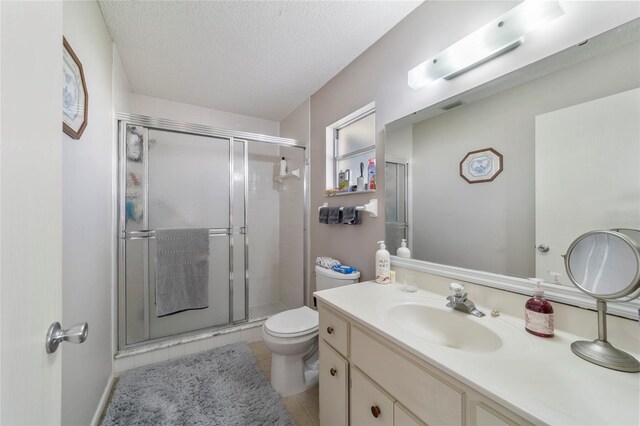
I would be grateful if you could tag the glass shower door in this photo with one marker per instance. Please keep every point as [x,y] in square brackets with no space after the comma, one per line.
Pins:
[189,188]
[184,181]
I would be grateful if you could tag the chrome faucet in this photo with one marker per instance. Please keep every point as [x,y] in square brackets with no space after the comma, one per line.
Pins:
[459,301]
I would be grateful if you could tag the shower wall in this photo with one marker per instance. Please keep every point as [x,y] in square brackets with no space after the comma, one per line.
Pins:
[276,231]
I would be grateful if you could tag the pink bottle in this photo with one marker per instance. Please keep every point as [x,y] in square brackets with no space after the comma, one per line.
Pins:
[538,314]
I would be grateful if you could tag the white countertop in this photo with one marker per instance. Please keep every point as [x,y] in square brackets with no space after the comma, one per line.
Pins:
[538,378]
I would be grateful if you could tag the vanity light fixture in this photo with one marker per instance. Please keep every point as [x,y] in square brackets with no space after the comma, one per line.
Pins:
[492,40]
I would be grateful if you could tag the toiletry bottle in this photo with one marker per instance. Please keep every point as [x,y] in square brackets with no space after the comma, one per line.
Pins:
[360,180]
[403,250]
[283,166]
[383,265]
[372,173]
[341,181]
[538,314]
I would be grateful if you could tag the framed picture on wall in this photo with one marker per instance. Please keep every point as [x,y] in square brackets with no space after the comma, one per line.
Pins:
[483,165]
[75,99]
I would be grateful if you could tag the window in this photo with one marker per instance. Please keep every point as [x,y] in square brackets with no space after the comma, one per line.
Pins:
[353,145]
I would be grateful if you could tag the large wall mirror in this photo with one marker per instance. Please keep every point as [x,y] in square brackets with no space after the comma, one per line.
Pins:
[568,130]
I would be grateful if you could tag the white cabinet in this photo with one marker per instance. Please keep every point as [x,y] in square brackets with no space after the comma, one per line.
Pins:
[402,417]
[335,331]
[430,398]
[369,405]
[485,417]
[367,380]
[334,384]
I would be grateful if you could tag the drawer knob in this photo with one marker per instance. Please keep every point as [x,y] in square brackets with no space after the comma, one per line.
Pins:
[375,410]
[333,371]
[330,330]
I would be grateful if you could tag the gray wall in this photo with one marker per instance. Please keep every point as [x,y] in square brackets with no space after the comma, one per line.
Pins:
[490,226]
[380,75]
[86,221]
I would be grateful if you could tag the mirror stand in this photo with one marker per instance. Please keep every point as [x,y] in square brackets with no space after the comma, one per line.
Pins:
[603,353]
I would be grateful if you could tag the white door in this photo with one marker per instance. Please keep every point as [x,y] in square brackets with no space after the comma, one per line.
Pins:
[30,210]
[587,174]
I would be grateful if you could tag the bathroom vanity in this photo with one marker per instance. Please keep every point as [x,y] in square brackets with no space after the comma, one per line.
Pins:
[393,358]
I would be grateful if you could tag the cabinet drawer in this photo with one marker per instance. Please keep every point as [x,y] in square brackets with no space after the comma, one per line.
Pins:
[334,330]
[427,396]
[369,404]
[334,382]
[401,417]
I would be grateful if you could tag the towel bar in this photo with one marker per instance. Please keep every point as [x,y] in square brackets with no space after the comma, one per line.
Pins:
[371,207]
[150,234]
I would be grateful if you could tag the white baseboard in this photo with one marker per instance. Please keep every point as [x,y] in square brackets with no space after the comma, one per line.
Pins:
[103,402]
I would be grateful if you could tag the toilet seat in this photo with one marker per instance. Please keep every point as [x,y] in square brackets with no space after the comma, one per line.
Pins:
[292,323]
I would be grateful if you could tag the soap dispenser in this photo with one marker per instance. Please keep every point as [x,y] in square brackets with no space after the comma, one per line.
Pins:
[403,250]
[538,314]
[383,265]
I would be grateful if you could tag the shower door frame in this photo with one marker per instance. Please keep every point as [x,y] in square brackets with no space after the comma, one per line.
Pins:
[150,123]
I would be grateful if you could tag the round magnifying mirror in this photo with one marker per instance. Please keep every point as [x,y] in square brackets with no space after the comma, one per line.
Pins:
[605,265]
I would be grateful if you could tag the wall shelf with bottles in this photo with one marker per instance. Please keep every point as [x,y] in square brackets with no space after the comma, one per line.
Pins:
[335,194]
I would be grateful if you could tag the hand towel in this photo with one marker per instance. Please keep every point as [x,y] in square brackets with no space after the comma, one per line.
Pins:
[327,262]
[182,270]
[351,216]
[334,215]
[323,215]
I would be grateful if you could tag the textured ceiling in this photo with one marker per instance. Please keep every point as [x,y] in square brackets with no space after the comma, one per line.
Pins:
[259,58]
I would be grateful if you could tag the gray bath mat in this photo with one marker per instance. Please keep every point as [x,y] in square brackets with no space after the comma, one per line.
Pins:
[223,386]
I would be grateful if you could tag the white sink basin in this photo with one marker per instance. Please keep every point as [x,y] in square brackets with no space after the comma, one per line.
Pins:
[443,327]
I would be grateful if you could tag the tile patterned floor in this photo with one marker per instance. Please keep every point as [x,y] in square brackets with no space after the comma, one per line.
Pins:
[304,407]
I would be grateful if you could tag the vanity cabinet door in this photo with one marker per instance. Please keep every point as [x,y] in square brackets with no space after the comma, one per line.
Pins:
[369,404]
[334,383]
[402,417]
[433,400]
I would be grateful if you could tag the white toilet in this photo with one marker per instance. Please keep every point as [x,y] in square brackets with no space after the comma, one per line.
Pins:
[292,337]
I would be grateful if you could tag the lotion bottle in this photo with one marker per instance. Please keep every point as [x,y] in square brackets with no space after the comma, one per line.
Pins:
[403,250]
[538,314]
[383,265]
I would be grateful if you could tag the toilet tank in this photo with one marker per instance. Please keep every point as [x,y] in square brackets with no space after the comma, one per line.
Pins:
[326,278]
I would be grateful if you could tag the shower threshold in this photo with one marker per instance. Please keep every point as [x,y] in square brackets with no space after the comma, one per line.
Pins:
[257,315]
[262,312]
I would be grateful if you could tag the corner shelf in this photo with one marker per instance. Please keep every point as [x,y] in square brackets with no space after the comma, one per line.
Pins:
[295,173]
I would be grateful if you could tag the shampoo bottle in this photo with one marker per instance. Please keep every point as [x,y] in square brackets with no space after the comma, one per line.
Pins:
[383,265]
[283,166]
[538,314]
[403,250]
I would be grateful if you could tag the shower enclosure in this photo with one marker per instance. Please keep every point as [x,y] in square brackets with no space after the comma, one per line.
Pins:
[396,178]
[176,175]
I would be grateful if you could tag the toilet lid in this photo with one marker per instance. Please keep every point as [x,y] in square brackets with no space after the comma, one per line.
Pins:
[293,321]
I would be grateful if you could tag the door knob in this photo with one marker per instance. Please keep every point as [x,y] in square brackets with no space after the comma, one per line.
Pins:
[76,334]
[333,371]
[329,330]
[543,248]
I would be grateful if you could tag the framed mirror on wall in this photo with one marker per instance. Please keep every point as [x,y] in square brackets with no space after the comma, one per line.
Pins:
[567,129]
